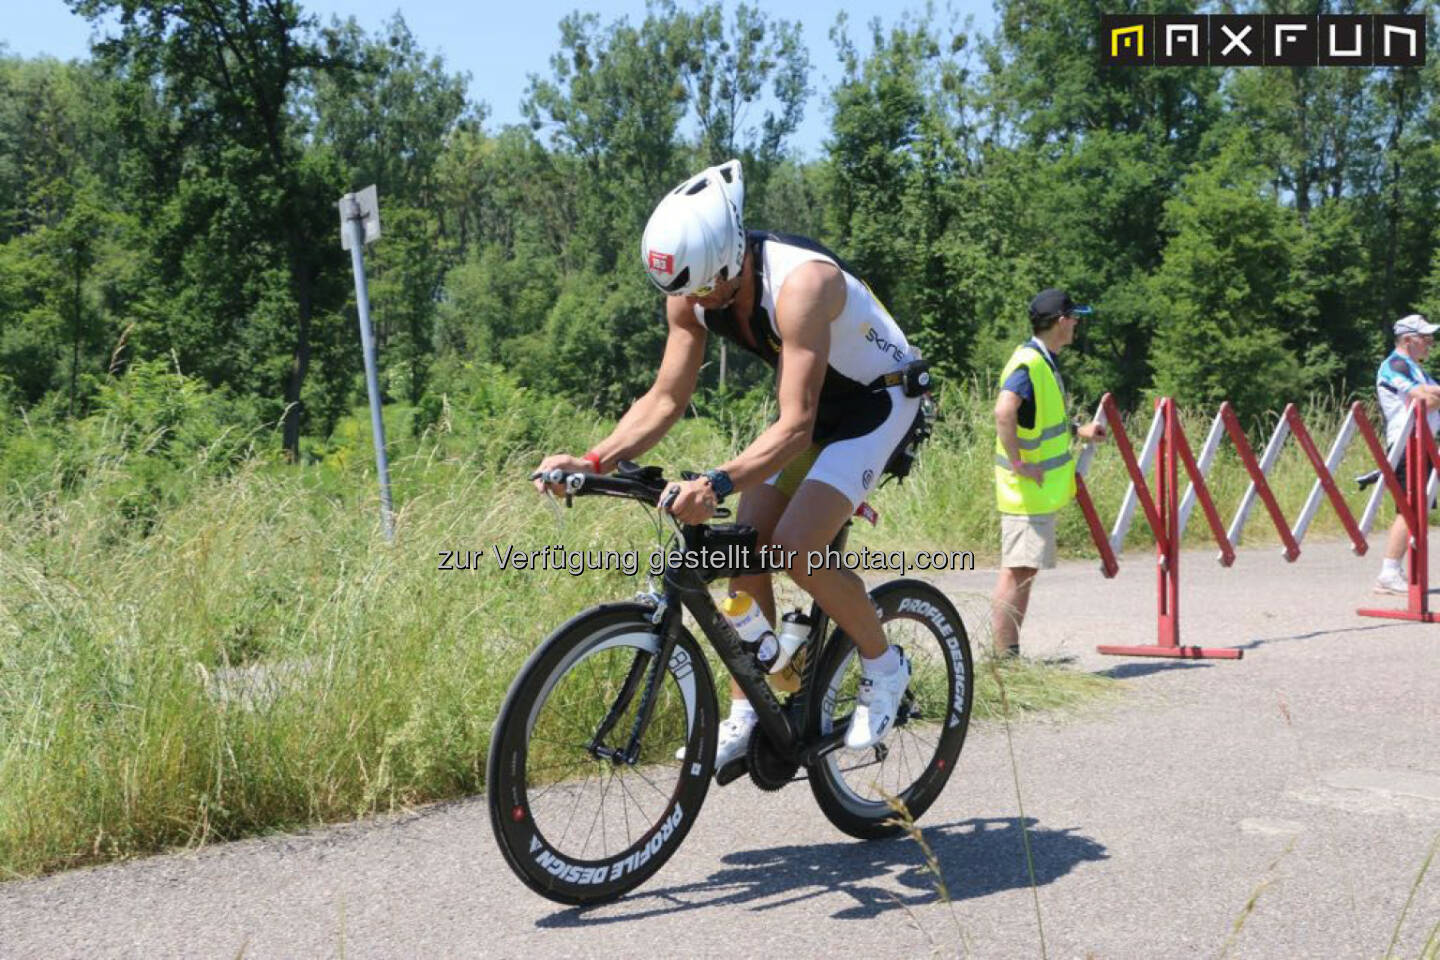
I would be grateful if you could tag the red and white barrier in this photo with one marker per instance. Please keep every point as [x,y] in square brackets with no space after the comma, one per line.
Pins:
[1167,513]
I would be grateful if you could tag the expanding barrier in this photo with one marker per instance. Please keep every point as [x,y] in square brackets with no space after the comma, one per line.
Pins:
[1167,512]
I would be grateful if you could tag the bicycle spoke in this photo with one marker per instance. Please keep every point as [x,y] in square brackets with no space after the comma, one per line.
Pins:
[625,809]
[535,799]
[579,794]
[599,811]
[559,765]
[642,776]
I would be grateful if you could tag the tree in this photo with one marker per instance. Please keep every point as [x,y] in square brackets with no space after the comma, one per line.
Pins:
[390,117]
[1228,309]
[227,72]
[614,105]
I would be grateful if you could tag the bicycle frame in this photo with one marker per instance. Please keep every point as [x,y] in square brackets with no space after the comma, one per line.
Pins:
[687,590]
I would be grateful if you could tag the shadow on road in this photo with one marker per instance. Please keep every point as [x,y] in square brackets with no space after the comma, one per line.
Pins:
[979,856]
[1127,671]
[1260,642]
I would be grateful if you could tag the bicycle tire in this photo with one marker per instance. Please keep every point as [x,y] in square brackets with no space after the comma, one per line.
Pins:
[939,645]
[520,772]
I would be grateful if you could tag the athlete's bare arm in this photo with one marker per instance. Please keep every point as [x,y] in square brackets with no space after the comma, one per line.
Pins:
[813,296]
[650,417]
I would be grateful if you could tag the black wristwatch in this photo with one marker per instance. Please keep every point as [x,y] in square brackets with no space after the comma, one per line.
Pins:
[720,482]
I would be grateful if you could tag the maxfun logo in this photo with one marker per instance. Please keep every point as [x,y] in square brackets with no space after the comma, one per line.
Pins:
[885,346]
[1263,40]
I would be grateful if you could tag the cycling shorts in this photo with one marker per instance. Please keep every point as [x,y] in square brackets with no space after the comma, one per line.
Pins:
[852,465]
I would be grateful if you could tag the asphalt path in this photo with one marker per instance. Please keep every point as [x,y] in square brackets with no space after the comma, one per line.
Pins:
[1302,781]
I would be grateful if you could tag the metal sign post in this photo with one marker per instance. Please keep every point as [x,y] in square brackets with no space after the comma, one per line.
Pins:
[359,225]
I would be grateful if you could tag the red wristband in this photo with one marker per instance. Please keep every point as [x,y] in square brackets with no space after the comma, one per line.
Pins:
[593,459]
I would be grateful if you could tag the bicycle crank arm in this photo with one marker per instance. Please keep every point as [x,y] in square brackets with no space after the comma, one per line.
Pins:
[827,744]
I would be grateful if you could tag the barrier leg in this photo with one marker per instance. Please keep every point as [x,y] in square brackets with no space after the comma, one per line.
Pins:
[1417,458]
[1167,550]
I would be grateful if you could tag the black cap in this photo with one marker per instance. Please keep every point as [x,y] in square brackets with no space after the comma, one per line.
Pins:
[1051,303]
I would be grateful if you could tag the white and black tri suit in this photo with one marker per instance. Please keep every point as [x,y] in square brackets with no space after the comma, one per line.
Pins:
[860,422]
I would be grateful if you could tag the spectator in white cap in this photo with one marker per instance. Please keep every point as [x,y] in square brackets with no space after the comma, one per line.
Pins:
[1400,381]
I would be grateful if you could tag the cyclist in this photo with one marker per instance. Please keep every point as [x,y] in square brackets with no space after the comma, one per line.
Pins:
[842,412]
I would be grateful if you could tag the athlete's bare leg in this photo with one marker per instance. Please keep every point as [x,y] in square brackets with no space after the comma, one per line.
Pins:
[815,514]
[761,508]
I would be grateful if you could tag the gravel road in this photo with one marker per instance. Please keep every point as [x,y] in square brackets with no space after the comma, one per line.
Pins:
[1306,776]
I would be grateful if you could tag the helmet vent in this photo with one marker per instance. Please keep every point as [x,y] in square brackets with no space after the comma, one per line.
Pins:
[697,186]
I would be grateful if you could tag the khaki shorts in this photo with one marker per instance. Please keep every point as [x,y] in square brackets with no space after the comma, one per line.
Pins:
[1027,540]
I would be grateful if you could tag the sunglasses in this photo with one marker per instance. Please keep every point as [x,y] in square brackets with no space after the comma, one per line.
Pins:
[705,289]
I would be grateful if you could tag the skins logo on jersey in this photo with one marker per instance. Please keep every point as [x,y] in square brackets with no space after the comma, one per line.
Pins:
[662,262]
[885,346]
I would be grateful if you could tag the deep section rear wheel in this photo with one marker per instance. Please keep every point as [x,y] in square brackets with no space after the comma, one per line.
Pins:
[575,823]
[915,761]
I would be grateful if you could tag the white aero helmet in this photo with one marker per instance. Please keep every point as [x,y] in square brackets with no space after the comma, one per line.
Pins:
[696,236]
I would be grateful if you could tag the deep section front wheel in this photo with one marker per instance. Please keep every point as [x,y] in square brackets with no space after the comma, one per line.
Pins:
[914,762]
[576,821]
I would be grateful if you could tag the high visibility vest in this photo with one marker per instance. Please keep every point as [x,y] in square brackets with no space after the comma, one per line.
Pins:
[1045,444]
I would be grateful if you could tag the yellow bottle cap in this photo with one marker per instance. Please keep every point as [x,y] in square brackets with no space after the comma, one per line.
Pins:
[736,605]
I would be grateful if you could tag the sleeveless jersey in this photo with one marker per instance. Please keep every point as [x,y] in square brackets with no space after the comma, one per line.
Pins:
[865,341]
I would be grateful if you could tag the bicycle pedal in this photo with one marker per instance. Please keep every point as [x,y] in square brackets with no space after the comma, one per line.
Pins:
[733,770]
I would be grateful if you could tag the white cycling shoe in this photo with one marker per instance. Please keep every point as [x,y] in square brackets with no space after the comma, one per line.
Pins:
[875,706]
[733,741]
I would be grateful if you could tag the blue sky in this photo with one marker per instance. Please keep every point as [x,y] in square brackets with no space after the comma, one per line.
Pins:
[500,45]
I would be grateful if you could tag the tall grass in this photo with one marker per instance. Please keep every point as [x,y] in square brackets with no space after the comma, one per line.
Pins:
[193,653]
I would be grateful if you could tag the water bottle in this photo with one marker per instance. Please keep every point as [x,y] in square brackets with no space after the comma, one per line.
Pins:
[756,637]
[794,633]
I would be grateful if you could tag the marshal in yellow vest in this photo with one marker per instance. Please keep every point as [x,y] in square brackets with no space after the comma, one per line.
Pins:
[1046,444]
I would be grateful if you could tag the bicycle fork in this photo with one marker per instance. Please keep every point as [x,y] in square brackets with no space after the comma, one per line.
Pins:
[646,667]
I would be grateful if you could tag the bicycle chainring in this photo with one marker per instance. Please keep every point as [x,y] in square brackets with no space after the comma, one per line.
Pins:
[768,770]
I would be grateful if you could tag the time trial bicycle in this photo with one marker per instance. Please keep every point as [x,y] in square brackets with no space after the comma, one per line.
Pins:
[603,750]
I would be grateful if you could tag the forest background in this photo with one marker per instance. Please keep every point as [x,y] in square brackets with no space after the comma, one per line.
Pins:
[1245,234]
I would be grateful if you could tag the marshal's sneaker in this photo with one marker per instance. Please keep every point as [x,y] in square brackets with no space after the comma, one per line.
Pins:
[733,741]
[875,706]
[1392,583]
